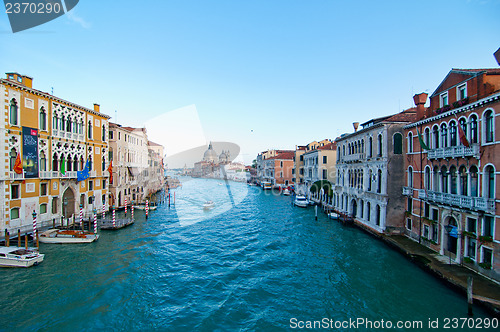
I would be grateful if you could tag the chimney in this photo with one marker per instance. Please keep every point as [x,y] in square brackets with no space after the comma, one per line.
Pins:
[420,100]
[97,107]
[28,81]
[497,56]
[355,125]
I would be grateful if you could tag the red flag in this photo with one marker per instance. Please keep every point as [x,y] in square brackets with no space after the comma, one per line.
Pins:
[110,170]
[461,135]
[18,166]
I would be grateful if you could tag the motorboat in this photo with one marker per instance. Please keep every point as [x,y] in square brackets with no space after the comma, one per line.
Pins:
[333,215]
[286,192]
[301,201]
[143,207]
[19,257]
[67,236]
[208,205]
[266,185]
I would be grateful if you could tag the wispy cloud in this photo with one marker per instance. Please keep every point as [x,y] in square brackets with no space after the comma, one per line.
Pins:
[77,19]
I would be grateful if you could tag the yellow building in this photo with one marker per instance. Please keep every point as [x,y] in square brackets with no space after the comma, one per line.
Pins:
[54,139]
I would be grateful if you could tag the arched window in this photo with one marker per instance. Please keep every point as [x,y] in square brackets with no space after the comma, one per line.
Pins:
[410,142]
[75,163]
[90,130]
[427,178]
[410,177]
[444,179]
[368,210]
[13,112]
[13,157]
[378,215]
[343,150]
[75,126]
[43,119]
[462,174]
[43,161]
[473,128]
[68,125]
[55,122]
[453,133]
[81,163]
[90,163]
[397,142]
[370,147]
[489,126]
[370,180]
[103,133]
[63,123]
[55,163]
[379,184]
[380,145]
[80,127]
[463,124]
[435,135]
[103,164]
[362,146]
[69,164]
[473,181]
[489,173]
[453,180]
[444,135]
[427,137]
[435,179]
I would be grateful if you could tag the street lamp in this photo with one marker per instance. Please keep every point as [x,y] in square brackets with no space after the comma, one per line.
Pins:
[448,229]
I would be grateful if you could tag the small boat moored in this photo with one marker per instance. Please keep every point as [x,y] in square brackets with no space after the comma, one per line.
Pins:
[143,207]
[286,192]
[333,215]
[67,236]
[19,257]
[300,201]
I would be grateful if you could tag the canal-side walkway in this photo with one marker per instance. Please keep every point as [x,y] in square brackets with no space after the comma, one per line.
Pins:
[454,274]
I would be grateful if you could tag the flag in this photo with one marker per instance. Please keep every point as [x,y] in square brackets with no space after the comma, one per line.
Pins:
[63,166]
[84,174]
[461,135]
[421,141]
[18,166]
[110,170]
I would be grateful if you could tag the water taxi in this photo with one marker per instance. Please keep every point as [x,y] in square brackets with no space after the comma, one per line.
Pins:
[300,201]
[67,236]
[208,205]
[19,257]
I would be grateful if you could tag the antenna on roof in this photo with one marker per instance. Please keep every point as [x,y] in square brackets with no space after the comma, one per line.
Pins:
[52,93]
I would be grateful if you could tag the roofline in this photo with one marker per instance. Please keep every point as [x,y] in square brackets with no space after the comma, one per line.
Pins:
[468,107]
[51,97]
[472,74]
[380,124]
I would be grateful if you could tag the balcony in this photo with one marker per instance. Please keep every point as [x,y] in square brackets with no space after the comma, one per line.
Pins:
[355,157]
[93,174]
[472,203]
[454,152]
[407,191]
[69,175]
[15,176]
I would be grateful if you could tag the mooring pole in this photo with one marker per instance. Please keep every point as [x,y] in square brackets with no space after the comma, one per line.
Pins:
[469,295]
[316,212]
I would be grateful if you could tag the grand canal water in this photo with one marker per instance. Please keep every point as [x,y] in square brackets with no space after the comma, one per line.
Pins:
[254,262]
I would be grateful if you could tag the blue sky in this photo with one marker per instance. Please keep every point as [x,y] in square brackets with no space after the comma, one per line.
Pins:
[261,74]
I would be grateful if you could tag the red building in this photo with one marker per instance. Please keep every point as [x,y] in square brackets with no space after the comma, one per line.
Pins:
[452,153]
[279,169]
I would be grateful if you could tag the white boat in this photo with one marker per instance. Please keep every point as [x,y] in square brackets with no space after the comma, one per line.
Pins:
[286,192]
[333,215]
[19,257]
[300,201]
[208,205]
[67,236]
[143,207]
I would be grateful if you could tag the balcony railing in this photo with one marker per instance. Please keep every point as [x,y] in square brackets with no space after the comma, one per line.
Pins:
[15,176]
[353,157]
[454,152]
[472,203]
[407,191]
[92,174]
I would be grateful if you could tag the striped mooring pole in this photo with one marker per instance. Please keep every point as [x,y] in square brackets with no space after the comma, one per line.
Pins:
[95,221]
[81,215]
[103,211]
[34,227]
[147,208]
[125,205]
[114,218]
[132,210]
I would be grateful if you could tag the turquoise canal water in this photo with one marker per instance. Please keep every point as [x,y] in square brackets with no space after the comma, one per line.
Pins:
[254,262]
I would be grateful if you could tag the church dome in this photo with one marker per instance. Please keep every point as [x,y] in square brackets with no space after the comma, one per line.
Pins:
[210,155]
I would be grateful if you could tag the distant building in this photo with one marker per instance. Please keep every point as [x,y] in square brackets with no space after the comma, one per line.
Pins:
[451,189]
[320,163]
[370,173]
[278,169]
[219,167]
